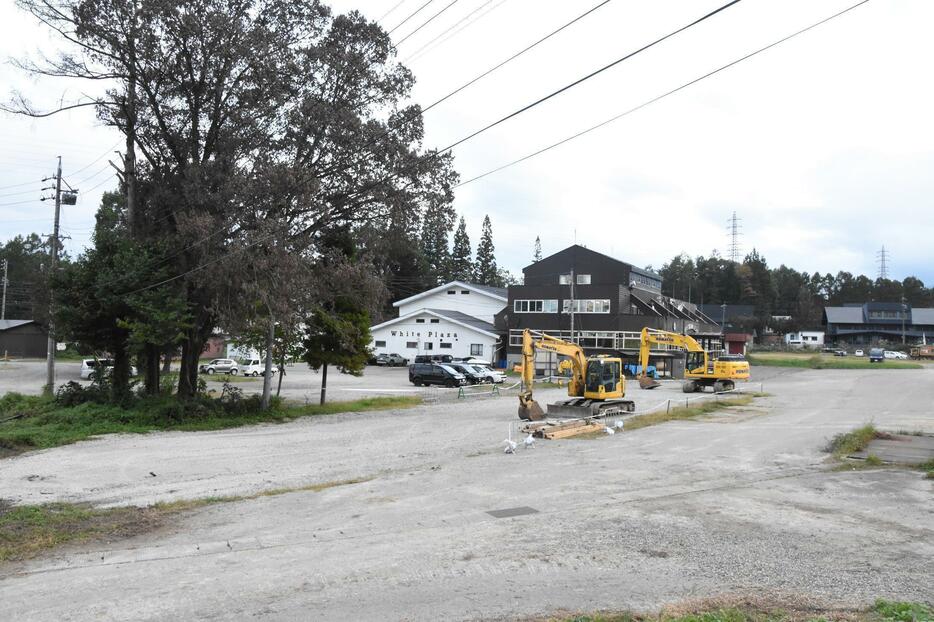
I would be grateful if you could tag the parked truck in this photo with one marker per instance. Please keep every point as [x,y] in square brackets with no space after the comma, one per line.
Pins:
[922,352]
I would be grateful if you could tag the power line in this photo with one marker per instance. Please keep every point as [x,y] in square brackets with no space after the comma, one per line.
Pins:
[96,160]
[591,75]
[416,12]
[418,53]
[394,7]
[517,54]
[426,22]
[657,98]
[25,183]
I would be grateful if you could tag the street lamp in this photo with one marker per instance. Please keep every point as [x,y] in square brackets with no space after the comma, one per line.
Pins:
[722,318]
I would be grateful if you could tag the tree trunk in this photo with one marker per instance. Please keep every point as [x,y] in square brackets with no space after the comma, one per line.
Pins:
[324,382]
[151,358]
[281,373]
[267,376]
[167,359]
[120,376]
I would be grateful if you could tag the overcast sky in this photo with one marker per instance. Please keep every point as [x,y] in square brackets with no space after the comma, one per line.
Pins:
[824,145]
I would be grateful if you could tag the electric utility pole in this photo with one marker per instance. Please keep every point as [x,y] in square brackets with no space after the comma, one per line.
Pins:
[6,265]
[50,352]
[571,306]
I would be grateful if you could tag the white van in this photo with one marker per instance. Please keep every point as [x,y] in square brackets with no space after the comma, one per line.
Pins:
[254,367]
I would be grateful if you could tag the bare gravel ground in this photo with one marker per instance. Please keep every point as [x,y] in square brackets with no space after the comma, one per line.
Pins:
[742,502]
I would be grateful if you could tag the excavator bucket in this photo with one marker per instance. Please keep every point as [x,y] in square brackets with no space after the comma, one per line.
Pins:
[531,411]
[648,383]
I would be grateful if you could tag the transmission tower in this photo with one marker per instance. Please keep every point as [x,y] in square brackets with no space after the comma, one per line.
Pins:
[882,258]
[734,248]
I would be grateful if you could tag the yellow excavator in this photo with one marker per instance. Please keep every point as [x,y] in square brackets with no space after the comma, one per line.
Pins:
[701,370]
[596,386]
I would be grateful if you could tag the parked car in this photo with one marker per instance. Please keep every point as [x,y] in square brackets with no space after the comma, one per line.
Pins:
[894,354]
[473,360]
[490,375]
[253,367]
[876,355]
[472,375]
[391,360]
[434,358]
[220,366]
[431,373]
[858,353]
[840,353]
[89,366]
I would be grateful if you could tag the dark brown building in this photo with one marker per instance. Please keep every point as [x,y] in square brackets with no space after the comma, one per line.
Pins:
[22,339]
[612,302]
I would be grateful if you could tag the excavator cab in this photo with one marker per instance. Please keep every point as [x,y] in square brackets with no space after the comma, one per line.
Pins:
[604,378]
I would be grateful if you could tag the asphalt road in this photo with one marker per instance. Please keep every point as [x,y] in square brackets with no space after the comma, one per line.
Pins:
[742,502]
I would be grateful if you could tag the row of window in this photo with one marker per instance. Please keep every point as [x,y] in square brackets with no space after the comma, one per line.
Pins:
[551,306]
[451,292]
[535,306]
[476,349]
[582,279]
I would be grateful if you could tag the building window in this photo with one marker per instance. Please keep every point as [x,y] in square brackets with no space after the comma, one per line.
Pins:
[420,320]
[465,291]
[564,279]
[429,346]
[452,291]
[446,346]
[380,344]
[476,349]
[435,320]
[535,306]
[586,306]
[412,345]
[583,279]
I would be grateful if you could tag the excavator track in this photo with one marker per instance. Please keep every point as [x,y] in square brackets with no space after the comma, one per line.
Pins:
[582,407]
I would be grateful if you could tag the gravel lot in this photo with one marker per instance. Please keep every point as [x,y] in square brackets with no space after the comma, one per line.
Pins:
[742,502]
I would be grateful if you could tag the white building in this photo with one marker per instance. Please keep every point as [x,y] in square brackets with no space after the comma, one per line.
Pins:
[805,339]
[455,318]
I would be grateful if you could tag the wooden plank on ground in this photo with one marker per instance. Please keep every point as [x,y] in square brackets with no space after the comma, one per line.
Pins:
[584,428]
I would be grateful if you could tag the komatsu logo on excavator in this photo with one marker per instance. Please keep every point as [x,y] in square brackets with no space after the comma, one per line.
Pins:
[664,338]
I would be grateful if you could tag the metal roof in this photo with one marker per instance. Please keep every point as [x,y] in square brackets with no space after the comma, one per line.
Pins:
[463,318]
[922,316]
[8,324]
[502,292]
[494,292]
[844,315]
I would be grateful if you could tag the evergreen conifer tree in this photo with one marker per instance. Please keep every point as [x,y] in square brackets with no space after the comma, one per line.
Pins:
[485,270]
[537,256]
[437,223]
[461,262]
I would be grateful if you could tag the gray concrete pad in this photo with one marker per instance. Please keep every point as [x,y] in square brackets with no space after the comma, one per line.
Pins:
[635,520]
[900,449]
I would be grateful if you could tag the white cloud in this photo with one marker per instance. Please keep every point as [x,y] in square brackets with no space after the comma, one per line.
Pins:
[823,145]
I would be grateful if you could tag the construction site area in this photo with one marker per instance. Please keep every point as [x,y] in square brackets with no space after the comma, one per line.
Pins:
[427,513]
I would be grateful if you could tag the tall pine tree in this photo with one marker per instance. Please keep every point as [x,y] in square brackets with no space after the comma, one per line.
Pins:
[437,222]
[461,262]
[537,256]
[485,270]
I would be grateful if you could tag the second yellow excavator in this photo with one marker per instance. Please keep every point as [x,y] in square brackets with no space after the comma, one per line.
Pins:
[700,370]
[596,387]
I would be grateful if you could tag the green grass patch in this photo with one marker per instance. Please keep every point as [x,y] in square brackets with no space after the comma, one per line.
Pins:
[222,378]
[881,611]
[35,422]
[848,443]
[819,361]
[26,531]
[676,413]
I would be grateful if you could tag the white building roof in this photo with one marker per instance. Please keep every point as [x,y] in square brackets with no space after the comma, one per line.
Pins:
[497,293]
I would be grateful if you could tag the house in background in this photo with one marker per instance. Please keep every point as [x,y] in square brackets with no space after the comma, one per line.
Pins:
[805,339]
[871,323]
[612,301]
[455,318]
[22,339]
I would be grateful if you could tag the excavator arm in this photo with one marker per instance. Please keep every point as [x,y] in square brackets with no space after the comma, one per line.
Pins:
[534,340]
[654,336]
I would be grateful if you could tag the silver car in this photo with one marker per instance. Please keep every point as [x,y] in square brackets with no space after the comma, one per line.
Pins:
[220,366]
